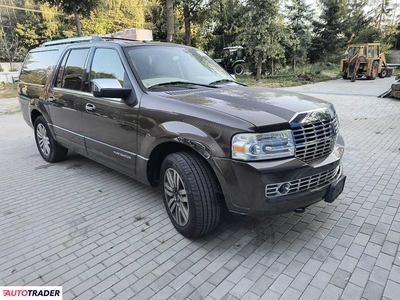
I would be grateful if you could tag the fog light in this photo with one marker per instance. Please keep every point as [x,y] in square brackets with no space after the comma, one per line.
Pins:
[284,188]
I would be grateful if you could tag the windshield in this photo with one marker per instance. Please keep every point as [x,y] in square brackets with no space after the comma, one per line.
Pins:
[158,65]
[353,51]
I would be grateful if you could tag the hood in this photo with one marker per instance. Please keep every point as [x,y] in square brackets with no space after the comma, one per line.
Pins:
[262,107]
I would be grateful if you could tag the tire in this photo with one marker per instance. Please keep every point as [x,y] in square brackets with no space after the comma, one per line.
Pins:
[374,71]
[238,69]
[191,195]
[48,148]
[383,73]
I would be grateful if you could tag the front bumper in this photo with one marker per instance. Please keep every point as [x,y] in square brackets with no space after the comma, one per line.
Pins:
[244,183]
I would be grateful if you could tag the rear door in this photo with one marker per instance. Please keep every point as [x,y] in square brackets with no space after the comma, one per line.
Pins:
[110,125]
[66,99]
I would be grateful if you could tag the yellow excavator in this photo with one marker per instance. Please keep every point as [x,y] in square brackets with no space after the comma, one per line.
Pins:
[364,60]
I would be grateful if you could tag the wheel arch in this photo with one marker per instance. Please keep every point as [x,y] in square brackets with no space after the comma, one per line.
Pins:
[163,149]
[34,115]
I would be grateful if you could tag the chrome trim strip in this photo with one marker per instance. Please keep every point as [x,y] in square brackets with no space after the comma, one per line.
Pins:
[63,129]
[328,108]
[73,92]
[144,158]
[96,141]
[85,94]
[108,145]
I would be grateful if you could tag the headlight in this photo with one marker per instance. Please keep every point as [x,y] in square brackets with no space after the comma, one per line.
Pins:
[259,146]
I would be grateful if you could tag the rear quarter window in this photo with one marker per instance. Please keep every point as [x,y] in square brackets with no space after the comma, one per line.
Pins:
[38,66]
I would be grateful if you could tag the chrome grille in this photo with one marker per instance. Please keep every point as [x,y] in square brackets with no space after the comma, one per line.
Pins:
[315,140]
[306,183]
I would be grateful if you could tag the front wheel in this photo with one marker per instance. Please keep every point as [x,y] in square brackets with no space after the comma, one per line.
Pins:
[383,73]
[48,148]
[191,195]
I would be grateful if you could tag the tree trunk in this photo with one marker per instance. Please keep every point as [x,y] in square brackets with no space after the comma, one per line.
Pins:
[259,66]
[294,59]
[170,21]
[272,67]
[77,21]
[186,15]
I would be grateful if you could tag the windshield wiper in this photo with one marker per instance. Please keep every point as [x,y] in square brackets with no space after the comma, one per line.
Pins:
[226,81]
[180,83]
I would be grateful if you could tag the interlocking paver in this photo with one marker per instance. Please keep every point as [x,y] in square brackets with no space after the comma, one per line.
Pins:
[373,291]
[352,292]
[114,240]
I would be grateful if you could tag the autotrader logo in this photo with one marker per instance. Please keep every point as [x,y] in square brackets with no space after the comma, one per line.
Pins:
[30,292]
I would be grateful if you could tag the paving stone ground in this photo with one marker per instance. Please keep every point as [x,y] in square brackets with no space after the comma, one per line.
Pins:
[102,235]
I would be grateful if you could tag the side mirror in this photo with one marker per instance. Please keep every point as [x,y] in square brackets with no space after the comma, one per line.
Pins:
[109,88]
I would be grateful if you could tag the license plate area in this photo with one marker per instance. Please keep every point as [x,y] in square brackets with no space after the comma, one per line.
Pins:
[335,189]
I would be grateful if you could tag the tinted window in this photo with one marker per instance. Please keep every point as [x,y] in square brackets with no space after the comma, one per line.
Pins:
[107,64]
[74,69]
[61,70]
[38,66]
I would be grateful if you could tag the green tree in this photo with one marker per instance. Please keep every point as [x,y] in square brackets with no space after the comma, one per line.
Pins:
[265,35]
[132,10]
[227,23]
[299,17]
[11,48]
[76,7]
[38,26]
[157,16]
[329,31]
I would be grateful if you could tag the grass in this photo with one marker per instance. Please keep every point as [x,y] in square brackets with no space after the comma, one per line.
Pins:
[8,90]
[271,82]
[304,75]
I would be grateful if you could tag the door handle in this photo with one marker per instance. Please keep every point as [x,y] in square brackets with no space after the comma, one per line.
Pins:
[90,107]
[52,99]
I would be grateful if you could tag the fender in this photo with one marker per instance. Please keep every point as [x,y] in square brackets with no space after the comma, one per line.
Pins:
[182,134]
[238,61]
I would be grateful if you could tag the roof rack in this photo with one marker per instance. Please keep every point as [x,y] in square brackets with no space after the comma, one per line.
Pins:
[83,39]
[107,37]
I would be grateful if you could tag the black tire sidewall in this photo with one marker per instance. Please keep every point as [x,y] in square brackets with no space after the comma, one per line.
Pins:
[50,157]
[189,228]
[240,67]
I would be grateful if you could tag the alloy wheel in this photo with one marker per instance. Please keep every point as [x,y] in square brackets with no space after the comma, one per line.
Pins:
[43,139]
[176,197]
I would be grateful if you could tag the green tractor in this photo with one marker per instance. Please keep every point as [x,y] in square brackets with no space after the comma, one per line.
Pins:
[233,60]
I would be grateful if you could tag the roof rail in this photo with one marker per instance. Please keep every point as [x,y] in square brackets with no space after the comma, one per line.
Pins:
[108,37]
[81,39]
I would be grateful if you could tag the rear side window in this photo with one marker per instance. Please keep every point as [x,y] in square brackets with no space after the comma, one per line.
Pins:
[72,70]
[38,66]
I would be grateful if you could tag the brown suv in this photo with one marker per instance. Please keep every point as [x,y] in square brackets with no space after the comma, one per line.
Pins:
[168,114]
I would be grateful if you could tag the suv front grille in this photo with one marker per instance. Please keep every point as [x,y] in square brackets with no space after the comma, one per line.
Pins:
[315,140]
[306,183]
